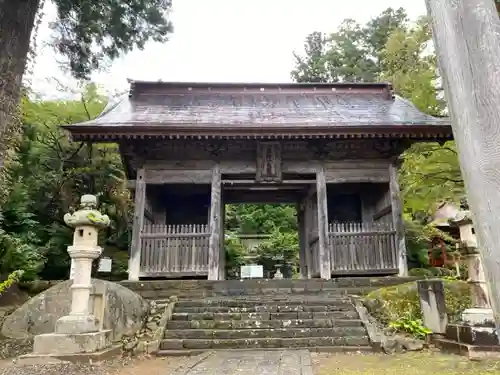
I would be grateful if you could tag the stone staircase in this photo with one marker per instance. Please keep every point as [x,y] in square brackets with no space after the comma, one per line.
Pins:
[319,323]
[262,314]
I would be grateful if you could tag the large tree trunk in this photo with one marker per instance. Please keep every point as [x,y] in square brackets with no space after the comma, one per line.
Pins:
[17,19]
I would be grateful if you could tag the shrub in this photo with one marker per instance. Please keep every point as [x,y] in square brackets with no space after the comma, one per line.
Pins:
[13,278]
[401,302]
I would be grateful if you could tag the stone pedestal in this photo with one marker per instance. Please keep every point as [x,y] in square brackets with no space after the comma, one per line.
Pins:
[475,336]
[477,316]
[432,302]
[66,343]
[481,312]
[79,331]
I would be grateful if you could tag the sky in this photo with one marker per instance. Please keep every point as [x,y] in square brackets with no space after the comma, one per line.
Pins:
[218,41]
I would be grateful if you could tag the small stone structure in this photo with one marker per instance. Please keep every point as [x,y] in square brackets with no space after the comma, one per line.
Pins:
[475,335]
[80,331]
[481,312]
[433,305]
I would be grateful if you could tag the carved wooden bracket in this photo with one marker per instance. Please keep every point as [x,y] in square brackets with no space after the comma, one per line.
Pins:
[268,162]
[216,149]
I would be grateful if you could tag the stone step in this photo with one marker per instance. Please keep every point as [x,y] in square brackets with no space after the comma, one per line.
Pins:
[198,294]
[473,352]
[323,349]
[250,343]
[262,324]
[351,314]
[249,302]
[271,308]
[262,333]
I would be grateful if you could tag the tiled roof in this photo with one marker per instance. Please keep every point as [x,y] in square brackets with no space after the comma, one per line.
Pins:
[260,106]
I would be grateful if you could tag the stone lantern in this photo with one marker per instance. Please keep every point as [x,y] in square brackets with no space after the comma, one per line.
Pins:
[79,331]
[481,312]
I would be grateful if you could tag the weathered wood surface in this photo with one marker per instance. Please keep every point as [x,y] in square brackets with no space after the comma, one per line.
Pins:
[302,229]
[362,248]
[222,250]
[164,176]
[292,150]
[215,225]
[174,250]
[269,162]
[397,219]
[134,262]
[359,174]
[311,233]
[324,253]
[467,40]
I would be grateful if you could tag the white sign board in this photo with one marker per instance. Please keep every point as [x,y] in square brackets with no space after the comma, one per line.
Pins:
[105,265]
[252,271]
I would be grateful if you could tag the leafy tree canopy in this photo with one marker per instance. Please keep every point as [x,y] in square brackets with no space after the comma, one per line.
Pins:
[89,31]
[48,177]
[351,54]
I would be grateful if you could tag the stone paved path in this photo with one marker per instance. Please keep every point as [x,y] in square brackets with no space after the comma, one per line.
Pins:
[286,362]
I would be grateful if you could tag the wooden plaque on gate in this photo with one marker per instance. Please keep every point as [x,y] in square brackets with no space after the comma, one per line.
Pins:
[268,162]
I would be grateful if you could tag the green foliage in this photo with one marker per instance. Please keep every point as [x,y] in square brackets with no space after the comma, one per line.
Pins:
[388,48]
[430,172]
[260,218]
[413,327]
[401,303]
[48,179]
[235,254]
[13,278]
[432,272]
[351,54]
[278,220]
[280,248]
[91,31]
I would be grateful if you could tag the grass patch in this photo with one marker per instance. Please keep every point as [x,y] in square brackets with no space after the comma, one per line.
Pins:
[411,363]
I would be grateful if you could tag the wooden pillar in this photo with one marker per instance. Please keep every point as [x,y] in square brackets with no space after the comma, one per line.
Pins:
[324,243]
[467,41]
[215,228]
[222,256]
[301,223]
[397,219]
[134,262]
[308,218]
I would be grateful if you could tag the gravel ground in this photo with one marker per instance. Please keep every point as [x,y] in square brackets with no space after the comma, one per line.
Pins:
[412,363]
[121,366]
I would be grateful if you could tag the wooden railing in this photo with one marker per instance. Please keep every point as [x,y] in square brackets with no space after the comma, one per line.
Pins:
[362,248]
[170,250]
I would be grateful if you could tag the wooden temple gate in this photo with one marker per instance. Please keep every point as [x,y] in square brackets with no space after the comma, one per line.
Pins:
[366,245]
[331,149]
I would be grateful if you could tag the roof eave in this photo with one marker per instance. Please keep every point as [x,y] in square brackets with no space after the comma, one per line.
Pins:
[115,132]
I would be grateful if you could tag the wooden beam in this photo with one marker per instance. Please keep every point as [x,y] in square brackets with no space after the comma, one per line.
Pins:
[215,213]
[166,176]
[383,212]
[467,40]
[397,220]
[324,246]
[302,242]
[134,263]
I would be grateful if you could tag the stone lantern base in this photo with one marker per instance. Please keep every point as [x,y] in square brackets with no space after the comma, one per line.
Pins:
[71,343]
[478,317]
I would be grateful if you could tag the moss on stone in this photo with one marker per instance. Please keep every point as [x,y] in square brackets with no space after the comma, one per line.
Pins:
[402,301]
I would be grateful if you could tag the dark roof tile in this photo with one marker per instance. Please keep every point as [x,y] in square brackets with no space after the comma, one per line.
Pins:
[231,105]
